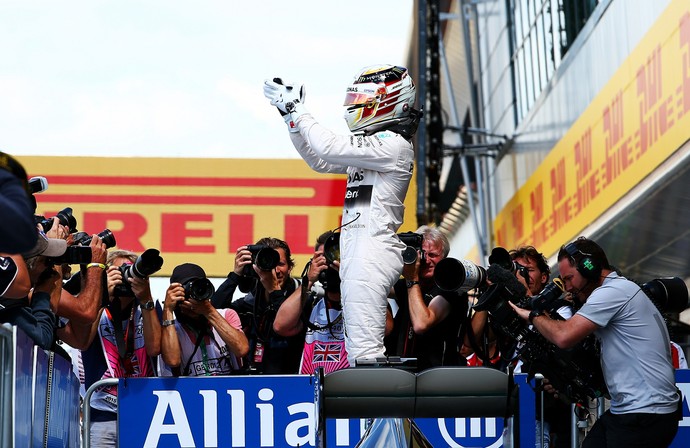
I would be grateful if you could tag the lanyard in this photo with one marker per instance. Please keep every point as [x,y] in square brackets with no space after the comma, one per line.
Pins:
[200,336]
[125,342]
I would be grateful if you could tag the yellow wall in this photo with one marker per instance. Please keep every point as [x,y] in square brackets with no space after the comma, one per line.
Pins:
[637,121]
[196,210]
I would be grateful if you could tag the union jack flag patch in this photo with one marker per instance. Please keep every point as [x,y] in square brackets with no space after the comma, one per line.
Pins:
[326,352]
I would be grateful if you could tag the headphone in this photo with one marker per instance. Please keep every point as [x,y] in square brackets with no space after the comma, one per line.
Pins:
[588,267]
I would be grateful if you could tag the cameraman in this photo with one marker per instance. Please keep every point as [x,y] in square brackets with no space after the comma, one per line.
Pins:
[269,353]
[122,343]
[645,403]
[197,339]
[429,321]
[556,412]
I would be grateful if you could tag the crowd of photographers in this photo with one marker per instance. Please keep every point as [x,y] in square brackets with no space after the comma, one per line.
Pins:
[442,312]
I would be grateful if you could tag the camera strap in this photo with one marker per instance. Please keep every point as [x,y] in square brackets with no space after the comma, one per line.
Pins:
[124,339]
[200,336]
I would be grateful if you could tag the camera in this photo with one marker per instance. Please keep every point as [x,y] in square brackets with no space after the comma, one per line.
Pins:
[148,263]
[73,255]
[330,279]
[669,294]
[84,239]
[331,248]
[575,372]
[547,299]
[264,257]
[64,216]
[38,184]
[452,274]
[413,241]
[199,289]
[501,257]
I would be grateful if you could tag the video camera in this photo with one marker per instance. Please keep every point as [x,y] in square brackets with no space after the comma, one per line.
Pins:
[669,294]
[576,372]
[501,257]
[148,263]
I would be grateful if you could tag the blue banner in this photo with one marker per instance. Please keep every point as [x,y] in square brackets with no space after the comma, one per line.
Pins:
[682,439]
[279,411]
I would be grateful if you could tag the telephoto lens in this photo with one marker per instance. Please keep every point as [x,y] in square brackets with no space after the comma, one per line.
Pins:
[84,239]
[451,274]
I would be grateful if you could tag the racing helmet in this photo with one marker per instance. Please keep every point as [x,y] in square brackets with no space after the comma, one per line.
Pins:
[380,97]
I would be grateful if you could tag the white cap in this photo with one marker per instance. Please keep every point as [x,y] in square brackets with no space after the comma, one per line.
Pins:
[48,247]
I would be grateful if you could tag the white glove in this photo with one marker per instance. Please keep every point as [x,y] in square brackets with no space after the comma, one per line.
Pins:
[281,94]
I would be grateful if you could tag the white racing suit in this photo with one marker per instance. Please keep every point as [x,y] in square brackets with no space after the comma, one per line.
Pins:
[379,169]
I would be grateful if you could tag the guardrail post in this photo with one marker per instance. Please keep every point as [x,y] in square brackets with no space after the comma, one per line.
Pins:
[86,409]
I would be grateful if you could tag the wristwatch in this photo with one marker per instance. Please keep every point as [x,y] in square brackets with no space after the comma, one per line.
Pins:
[411,283]
[535,313]
[148,306]
[167,323]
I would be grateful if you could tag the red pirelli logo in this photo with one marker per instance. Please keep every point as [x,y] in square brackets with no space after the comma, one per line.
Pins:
[199,219]
[259,191]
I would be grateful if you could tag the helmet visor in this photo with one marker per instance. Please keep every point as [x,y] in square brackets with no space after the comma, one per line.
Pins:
[361,94]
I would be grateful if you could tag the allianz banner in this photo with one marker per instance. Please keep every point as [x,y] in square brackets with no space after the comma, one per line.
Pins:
[258,411]
[279,411]
[195,210]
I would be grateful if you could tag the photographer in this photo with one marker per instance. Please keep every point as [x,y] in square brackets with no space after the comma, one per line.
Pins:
[81,308]
[645,403]
[429,321]
[122,343]
[556,412]
[316,309]
[269,353]
[17,230]
[197,339]
[34,313]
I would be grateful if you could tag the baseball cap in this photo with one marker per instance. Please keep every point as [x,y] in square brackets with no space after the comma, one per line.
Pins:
[48,247]
[185,272]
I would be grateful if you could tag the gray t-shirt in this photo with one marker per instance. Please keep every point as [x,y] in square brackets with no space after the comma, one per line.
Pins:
[635,347]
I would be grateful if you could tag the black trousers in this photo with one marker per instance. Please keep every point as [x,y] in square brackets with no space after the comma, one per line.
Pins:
[632,430]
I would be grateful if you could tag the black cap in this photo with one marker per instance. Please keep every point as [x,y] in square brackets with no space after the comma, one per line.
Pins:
[186,272]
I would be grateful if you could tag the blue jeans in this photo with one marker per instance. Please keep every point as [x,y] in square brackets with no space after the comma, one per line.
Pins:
[538,435]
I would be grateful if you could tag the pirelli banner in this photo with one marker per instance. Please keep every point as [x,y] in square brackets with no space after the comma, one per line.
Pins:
[195,210]
[637,121]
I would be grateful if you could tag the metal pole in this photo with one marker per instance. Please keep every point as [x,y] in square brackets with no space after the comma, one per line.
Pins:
[421,99]
[86,409]
[574,429]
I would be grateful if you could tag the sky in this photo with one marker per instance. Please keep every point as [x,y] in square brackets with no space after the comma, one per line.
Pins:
[172,78]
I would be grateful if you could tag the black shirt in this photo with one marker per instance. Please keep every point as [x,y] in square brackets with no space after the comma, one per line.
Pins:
[269,353]
[438,346]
